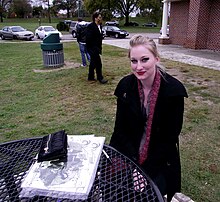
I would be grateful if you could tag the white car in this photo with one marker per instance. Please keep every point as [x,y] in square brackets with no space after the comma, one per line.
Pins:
[42,31]
[112,23]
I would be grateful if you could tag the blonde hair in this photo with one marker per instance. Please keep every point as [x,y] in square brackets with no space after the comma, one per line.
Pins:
[145,41]
[139,39]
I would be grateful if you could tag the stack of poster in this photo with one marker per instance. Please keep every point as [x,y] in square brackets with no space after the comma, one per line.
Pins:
[72,179]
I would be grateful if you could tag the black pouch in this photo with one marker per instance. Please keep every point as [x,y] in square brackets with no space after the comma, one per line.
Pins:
[53,147]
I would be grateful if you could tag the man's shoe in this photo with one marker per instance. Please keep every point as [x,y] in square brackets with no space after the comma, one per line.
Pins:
[91,79]
[103,81]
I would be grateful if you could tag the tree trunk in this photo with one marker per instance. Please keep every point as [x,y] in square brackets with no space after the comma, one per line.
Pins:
[68,13]
[127,18]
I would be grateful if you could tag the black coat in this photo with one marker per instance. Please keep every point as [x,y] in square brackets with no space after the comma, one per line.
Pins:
[94,38]
[81,30]
[163,162]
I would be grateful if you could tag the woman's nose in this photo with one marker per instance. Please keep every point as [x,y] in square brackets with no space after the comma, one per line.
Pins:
[139,64]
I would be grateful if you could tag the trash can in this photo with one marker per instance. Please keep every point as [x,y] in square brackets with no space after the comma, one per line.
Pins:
[52,51]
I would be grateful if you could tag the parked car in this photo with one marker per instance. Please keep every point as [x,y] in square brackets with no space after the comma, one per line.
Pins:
[133,24]
[112,23]
[15,32]
[168,30]
[43,31]
[72,29]
[150,24]
[67,22]
[113,31]
[73,26]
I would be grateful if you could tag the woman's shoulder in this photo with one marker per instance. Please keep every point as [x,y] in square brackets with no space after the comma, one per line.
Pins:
[172,86]
[127,83]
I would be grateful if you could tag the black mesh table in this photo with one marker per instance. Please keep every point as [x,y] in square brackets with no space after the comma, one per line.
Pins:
[117,178]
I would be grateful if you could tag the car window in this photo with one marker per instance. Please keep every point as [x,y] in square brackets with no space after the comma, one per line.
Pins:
[17,29]
[48,29]
[73,24]
[115,28]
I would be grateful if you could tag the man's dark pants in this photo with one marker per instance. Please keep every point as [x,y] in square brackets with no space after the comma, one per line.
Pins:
[95,64]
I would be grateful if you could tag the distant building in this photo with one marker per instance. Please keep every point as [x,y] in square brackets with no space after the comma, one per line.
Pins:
[193,23]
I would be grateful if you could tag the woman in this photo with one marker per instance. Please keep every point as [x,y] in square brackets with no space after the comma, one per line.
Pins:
[149,117]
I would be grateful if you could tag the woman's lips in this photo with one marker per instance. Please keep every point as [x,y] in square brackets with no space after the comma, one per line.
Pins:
[140,73]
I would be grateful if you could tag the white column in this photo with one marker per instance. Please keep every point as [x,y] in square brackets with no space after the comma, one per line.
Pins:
[164,19]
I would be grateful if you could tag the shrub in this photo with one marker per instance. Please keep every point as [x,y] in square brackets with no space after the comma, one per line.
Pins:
[61,26]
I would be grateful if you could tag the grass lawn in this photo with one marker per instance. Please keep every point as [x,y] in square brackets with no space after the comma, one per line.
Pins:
[36,104]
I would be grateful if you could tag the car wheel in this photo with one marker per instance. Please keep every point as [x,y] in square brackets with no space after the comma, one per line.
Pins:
[74,34]
[37,36]
[2,37]
[116,35]
[15,37]
[107,24]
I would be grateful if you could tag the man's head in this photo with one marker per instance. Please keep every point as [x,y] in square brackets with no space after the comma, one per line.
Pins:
[97,18]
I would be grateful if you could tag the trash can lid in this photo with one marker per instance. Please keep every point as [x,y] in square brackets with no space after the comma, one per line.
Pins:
[52,38]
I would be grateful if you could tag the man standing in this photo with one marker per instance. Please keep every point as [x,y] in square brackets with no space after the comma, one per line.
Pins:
[94,38]
[81,39]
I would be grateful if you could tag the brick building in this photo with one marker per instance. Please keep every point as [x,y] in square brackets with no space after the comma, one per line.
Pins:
[193,24]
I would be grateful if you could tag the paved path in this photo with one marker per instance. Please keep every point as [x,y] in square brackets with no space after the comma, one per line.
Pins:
[203,58]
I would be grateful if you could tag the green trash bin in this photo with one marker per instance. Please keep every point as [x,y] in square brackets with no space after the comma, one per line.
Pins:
[52,51]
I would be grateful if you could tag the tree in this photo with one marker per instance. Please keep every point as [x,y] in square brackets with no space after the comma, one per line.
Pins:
[22,8]
[124,7]
[4,6]
[106,7]
[94,5]
[67,5]
[37,10]
[152,9]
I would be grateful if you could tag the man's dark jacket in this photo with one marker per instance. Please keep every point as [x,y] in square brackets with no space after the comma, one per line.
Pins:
[94,39]
[163,161]
[81,30]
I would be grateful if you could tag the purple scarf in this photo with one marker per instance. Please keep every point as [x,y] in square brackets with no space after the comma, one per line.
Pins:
[144,145]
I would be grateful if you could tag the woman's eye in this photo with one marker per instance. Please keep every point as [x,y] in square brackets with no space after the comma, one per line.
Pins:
[145,59]
[134,61]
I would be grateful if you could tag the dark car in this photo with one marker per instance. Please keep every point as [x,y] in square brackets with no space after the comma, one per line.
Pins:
[15,32]
[132,24]
[67,22]
[150,24]
[113,31]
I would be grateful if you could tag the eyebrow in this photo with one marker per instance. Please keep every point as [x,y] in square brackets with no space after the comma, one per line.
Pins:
[140,57]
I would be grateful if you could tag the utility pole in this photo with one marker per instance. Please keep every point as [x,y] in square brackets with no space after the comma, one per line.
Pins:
[79,7]
[49,17]
[48,9]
